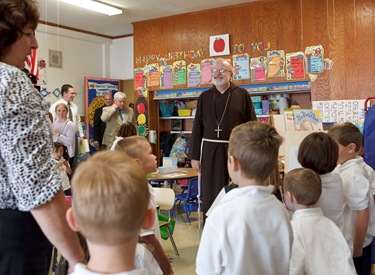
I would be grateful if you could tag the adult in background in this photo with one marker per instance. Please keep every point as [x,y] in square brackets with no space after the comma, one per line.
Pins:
[99,125]
[219,110]
[68,94]
[64,131]
[114,116]
[32,203]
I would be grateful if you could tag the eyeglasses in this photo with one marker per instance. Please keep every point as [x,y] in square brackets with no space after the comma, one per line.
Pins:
[214,70]
[29,34]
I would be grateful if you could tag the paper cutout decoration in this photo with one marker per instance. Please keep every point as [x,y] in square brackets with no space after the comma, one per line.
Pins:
[139,78]
[312,77]
[295,66]
[140,82]
[179,72]
[166,77]
[141,114]
[219,45]
[206,65]
[258,69]
[194,75]
[56,92]
[44,92]
[314,59]
[328,64]
[42,72]
[151,71]
[275,64]
[307,120]
[241,68]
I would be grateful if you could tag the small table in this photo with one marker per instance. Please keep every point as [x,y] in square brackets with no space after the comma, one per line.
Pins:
[181,174]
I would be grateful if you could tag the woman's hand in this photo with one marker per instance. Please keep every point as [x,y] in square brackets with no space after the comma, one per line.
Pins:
[56,132]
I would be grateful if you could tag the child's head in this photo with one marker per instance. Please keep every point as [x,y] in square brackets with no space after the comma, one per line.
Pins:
[255,147]
[302,186]
[110,198]
[138,148]
[60,151]
[127,129]
[349,139]
[319,152]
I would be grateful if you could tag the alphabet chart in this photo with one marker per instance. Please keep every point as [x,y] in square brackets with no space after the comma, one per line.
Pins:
[341,110]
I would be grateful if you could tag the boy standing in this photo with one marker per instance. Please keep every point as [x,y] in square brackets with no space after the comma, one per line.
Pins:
[359,211]
[110,205]
[319,246]
[249,231]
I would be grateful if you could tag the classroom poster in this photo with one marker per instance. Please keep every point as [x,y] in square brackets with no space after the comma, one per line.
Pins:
[275,64]
[194,75]
[314,59]
[241,68]
[95,89]
[338,111]
[206,65]
[139,78]
[152,75]
[219,45]
[295,66]
[166,77]
[179,72]
[258,69]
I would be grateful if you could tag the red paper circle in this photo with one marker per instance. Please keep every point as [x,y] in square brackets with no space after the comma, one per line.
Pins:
[141,108]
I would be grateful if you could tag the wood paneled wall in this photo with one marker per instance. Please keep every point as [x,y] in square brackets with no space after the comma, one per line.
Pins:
[345,28]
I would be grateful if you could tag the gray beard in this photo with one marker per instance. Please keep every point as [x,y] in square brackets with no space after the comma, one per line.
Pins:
[219,82]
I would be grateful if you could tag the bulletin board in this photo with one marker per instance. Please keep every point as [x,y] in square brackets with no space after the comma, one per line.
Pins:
[95,89]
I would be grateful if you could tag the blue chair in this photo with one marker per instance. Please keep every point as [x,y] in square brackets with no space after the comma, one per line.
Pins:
[189,198]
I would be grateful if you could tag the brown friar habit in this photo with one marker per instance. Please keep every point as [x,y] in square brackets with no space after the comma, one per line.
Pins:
[210,109]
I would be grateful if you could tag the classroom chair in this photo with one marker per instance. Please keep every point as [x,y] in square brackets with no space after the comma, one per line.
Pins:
[189,198]
[165,198]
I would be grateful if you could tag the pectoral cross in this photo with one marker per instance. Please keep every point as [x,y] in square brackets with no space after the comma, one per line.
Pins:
[218,130]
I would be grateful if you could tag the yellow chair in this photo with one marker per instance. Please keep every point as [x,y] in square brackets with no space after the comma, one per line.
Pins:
[164,198]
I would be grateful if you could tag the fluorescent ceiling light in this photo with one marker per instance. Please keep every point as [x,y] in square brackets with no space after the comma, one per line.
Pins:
[94,6]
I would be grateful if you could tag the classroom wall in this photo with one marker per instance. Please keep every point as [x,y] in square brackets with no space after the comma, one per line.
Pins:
[121,58]
[345,28]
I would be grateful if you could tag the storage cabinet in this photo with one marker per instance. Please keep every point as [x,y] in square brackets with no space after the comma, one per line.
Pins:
[298,91]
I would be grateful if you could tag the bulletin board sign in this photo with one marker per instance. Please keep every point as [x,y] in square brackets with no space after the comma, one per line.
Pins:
[95,89]
[339,111]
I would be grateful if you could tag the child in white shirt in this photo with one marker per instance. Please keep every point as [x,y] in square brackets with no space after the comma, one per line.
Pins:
[319,246]
[249,231]
[138,148]
[319,152]
[110,206]
[359,210]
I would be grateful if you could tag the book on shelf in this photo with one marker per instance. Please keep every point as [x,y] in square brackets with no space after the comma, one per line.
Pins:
[289,119]
[307,120]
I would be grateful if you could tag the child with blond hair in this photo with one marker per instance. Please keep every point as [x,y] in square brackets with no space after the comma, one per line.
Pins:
[138,148]
[319,246]
[110,206]
[359,210]
[248,222]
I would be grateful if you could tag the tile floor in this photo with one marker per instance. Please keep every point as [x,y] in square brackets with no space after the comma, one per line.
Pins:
[187,241]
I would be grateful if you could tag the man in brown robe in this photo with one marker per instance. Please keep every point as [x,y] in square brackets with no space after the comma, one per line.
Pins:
[219,110]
